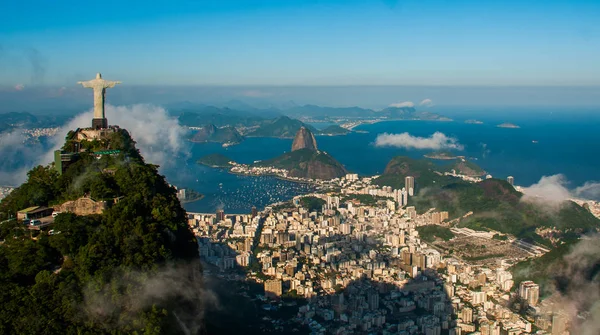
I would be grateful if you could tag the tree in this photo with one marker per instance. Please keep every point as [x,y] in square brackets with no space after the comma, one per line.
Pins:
[45,284]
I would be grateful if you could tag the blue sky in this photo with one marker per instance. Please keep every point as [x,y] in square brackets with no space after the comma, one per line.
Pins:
[292,42]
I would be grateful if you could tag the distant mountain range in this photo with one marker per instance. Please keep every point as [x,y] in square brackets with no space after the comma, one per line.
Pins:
[282,123]
[239,111]
[14,120]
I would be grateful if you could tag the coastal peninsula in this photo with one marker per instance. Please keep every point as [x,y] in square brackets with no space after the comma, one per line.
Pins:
[215,161]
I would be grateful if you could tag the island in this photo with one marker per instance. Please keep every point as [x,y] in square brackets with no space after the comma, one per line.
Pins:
[472,121]
[508,125]
[443,155]
[215,161]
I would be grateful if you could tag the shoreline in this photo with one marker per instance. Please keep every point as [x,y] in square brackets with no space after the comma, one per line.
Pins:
[273,175]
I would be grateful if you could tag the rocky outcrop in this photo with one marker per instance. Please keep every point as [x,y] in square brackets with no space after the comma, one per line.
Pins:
[82,206]
[304,140]
[210,133]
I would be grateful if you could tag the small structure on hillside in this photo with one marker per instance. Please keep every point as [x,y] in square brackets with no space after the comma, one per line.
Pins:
[35,212]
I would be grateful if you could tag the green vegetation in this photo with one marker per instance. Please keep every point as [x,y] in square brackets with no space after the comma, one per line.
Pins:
[307,163]
[365,199]
[92,276]
[497,205]
[431,232]
[215,161]
[424,172]
[465,167]
[500,237]
[542,270]
[312,203]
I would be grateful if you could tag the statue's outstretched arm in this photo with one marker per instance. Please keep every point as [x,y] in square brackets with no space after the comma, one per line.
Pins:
[111,84]
[85,84]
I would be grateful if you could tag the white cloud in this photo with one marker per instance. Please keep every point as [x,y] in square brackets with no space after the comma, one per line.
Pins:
[551,190]
[426,103]
[158,136]
[589,190]
[436,141]
[256,94]
[578,292]
[403,104]
[17,158]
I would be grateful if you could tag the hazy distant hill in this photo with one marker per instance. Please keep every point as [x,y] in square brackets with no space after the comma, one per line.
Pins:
[410,113]
[220,117]
[333,130]
[211,133]
[26,120]
[281,127]
[318,111]
[394,113]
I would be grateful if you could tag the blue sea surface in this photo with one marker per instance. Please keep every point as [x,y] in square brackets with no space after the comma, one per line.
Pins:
[566,143]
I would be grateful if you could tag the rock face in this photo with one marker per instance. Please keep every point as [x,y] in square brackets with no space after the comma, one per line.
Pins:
[82,206]
[304,140]
[210,133]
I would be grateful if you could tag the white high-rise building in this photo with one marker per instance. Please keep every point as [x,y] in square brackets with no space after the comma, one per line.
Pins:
[478,298]
[404,197]
[511,180]
[530,292]
[333,202]
[409,184]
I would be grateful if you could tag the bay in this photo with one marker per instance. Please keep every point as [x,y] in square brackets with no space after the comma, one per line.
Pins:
[546,143]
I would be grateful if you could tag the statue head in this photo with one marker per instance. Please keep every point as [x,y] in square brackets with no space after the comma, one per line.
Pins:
[98,75]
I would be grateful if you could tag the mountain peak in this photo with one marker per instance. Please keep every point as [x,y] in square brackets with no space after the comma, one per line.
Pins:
[304,139]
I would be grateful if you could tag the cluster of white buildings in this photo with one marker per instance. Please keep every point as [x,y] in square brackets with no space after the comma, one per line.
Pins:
[363,268]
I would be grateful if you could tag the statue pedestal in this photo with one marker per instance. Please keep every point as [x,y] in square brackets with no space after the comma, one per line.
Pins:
[99,123]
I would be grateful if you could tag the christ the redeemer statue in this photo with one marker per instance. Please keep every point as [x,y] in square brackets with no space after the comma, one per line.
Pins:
[99,85]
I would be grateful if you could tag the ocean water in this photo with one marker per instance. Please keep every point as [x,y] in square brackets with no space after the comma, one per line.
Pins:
[567,143]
